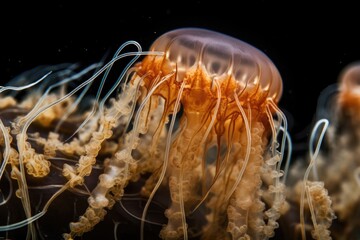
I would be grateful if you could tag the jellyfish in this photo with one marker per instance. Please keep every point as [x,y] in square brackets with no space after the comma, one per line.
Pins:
[341,151]
[194,127]
[332,211]
[344,142]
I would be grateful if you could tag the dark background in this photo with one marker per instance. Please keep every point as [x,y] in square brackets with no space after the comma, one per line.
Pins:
[309,44]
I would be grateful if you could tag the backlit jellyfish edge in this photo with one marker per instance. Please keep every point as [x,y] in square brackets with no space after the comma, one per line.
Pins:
[193,129]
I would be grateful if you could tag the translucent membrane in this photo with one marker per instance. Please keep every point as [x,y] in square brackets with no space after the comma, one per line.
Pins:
[220,55]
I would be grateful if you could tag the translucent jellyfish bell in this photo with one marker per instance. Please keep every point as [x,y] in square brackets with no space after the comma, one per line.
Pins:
[220,55]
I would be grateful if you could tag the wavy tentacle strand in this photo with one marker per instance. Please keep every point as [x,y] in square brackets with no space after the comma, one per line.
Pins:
[116,168]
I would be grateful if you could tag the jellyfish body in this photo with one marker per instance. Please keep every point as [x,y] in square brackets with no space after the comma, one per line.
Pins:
[328,189]
[344,143]
[224,87]
[341,155]
[197,118]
